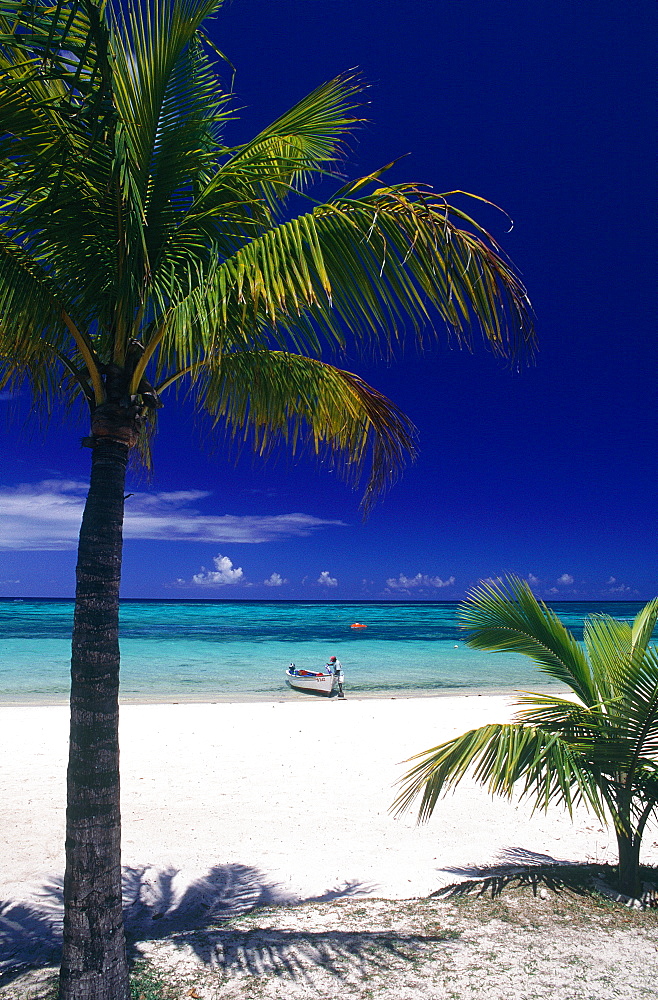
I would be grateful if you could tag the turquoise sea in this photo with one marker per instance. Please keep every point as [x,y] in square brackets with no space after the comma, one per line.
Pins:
[239,650]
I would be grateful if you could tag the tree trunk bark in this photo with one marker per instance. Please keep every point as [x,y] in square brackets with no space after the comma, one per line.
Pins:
[629,865]
[94,964]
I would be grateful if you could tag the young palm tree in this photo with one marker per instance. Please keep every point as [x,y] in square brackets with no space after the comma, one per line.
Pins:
[140,252]
[598,745]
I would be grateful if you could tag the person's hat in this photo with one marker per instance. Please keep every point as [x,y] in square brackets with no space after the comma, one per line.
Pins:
[332,658]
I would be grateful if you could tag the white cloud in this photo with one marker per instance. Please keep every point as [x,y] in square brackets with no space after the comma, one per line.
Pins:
[46,516]
[275,580]
[325,580]
[566,579]
[42,515]
[222,575]
[533,580]
[420,580]
[618,588]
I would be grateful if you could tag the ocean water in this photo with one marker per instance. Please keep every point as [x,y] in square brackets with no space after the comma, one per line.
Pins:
[223,650]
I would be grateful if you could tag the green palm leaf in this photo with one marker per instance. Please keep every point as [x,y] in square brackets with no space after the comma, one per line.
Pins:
[305,141]
[608,644]
[637,711]
[504,758]
[267,396]
[507,616]
[644,625]
[375,265]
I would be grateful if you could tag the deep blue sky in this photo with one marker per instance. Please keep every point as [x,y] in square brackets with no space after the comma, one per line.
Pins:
[546,108]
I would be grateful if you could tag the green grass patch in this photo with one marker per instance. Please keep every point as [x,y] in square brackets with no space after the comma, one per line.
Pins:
[148,984]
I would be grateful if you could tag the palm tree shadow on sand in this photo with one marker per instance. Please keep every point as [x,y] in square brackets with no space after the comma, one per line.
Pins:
[159,904]
[518,867]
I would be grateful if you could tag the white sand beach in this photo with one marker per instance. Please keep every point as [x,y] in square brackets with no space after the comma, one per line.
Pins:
[230,809]
[290,800]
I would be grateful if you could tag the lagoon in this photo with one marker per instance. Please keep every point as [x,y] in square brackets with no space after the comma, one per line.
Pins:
[238,650]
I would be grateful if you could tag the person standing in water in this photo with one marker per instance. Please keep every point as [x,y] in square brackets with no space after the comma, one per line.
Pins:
[337,669]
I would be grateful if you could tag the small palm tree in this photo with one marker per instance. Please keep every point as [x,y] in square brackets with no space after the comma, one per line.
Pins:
[141,251]
[597,746]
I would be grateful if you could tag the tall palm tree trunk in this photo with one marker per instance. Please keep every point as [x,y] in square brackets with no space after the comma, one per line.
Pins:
[94,965]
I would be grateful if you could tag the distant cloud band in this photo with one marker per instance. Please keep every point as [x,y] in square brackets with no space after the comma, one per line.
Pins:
[46,516]
[421,581]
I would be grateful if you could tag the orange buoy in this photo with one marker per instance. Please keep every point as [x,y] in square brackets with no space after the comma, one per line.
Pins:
[358,625]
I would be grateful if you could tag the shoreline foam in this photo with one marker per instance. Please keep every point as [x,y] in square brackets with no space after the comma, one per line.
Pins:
[287,696]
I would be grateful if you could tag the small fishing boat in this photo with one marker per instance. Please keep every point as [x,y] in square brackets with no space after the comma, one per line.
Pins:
[316,682]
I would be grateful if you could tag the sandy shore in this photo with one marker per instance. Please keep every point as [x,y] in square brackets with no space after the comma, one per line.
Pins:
[228,807]
[292,798]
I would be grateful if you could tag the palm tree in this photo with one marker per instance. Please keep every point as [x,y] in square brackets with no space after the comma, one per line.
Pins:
[597,746]
[139,251]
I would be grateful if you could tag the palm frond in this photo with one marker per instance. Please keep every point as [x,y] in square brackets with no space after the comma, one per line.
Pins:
[305,141]
[507,616]
[574,721]
[637,711]
[407,241]
[644,625]
[155,88]
[170,103]
[267,396]
[603,737]
[505,758]
[374,265]
[29,304]
[55,92]
[608,644]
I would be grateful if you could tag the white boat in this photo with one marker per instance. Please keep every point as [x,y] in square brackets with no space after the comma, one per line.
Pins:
[309,680]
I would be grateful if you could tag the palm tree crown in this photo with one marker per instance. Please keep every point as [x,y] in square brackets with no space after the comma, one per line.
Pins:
[138,249]
[598,745]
